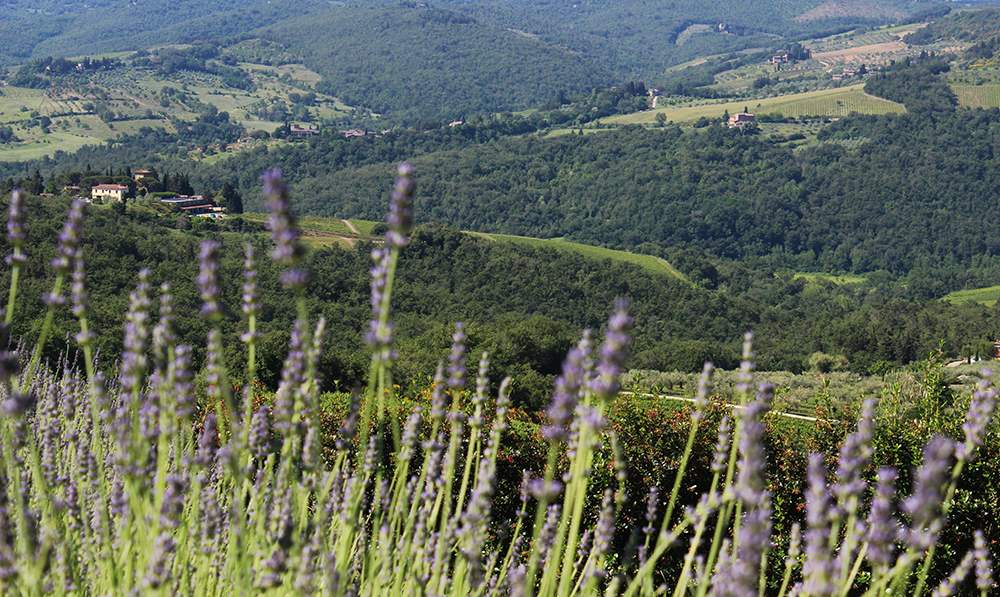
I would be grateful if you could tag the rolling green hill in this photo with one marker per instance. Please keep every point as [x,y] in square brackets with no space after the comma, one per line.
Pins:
[425,61]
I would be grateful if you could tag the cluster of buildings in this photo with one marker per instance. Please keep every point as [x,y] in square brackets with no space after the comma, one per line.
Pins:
[195,205]
[191,205]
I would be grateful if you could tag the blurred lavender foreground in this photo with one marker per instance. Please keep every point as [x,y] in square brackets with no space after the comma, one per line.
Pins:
[124,485]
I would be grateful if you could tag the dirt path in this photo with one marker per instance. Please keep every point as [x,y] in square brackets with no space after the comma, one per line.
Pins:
[350,226]
[732,406]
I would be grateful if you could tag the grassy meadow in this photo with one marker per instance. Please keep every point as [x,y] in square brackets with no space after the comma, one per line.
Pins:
[988,296]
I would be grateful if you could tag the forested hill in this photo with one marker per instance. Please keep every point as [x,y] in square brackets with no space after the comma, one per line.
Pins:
[524,305]
[447,58]
[428,62]
[888,193]
[641,37]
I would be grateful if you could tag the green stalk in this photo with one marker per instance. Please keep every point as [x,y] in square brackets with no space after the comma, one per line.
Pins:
[15,276]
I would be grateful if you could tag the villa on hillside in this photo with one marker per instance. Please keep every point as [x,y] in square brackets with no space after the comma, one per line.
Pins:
[351,133]
[115,192]
[194,205]
[742,120]
[303,130]
[141,176]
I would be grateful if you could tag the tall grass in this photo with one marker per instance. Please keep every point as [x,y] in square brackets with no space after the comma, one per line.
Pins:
[127,483]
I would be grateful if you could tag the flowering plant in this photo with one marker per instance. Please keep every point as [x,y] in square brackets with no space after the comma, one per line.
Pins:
[123,484]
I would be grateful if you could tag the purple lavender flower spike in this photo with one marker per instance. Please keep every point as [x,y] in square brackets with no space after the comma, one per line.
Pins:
[750,484]
[951,585]
[984,563]
[883,528]
[819,569]
[439,403]
[207,442]
[400,218]
[704,390]
[855,454]
[173,501]
[15,228]
[456,360]
[69,238]
[379,335]
[288,251]
[160,562]
[745,375]
[249,299]
[134,360]
[755,537]
[566,395]
[78,290]
[183,390]
[259,433]
[604,532]
[924,505]
[208,277]
[613,352]
[292,378]
[720,455]
[981,407]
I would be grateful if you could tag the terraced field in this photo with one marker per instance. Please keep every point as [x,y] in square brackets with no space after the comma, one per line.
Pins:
[978,96]
[826,102]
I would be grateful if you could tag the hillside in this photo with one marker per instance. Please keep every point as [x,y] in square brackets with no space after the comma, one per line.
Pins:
[33,29]
[449,58]
[862,199]
[429,62]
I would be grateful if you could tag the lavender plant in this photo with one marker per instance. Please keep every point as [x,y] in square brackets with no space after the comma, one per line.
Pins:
[133,487]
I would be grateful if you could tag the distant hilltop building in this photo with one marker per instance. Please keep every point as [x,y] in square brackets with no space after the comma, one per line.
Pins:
[351,133]
[114,192]
[782,58]
[742,120]
[303,131]
[194,205]
[142,175]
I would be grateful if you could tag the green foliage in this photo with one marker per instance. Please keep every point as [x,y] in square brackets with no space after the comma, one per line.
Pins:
[429,62]
[918,85]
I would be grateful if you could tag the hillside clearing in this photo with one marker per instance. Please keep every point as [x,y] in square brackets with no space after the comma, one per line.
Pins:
[987,296]
[838,102]
[650,263]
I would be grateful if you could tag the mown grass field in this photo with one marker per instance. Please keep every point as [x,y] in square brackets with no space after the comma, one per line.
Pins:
[978,96]
[988,296]
[649,263]
[320,232]
[825,102]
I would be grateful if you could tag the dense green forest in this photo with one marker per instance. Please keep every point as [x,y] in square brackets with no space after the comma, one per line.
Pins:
[427,62]
[917,84]
[862,200]
[524,305]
